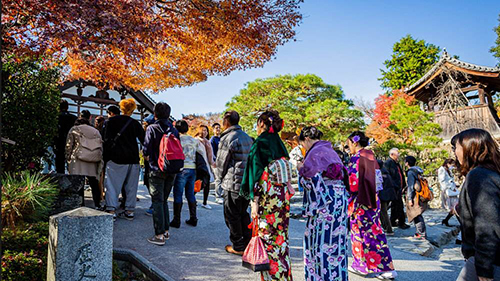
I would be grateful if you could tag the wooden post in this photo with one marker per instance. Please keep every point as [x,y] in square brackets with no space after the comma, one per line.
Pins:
[482,98]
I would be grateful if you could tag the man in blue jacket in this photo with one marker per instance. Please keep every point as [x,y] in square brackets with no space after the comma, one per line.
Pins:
[160,183]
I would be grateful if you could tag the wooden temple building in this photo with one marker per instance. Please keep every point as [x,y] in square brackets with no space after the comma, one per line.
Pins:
[83,95]
[461,96]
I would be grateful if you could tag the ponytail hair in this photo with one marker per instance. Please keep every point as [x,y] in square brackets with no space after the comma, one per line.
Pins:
[272,121]
[359,137]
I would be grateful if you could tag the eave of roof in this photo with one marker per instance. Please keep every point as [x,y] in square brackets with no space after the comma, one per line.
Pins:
[445,58]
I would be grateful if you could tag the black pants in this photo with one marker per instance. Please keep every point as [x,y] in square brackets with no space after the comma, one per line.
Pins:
[237,219]
[160,187]
[384,216]
[206,189]
[397,211]
[96,191]
[60,161]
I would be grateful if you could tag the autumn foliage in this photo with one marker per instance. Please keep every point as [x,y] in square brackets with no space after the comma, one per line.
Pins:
[148,44]
[384,104]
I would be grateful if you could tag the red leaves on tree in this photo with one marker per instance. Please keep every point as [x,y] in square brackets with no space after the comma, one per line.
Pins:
[384,104]
[148,44]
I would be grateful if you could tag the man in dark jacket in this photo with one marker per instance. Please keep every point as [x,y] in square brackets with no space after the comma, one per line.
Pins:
[234,148]
[160,183]
[386,195]
[65,122]
[397,176]
[121,154]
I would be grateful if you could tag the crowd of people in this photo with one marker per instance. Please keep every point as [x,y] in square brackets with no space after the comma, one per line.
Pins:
[345,198]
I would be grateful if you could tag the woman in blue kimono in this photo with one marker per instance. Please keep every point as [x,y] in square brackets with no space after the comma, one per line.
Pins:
[324,179]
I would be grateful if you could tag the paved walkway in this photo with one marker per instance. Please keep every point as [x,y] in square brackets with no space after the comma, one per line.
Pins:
[197,253]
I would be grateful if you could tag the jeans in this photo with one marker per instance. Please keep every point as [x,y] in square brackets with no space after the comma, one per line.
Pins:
[420,224]
[120,176]
[237,219]
[160,185]
[384,217]
[184,181]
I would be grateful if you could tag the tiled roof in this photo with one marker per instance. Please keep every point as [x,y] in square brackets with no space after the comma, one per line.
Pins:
[446,58]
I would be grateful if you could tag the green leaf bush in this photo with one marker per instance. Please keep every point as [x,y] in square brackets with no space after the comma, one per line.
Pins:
[26,196]
[30,109]
[25,251]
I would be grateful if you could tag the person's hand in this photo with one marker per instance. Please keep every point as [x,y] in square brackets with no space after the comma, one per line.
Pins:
[255,209]
[146,158]
[410,203]
[484,279]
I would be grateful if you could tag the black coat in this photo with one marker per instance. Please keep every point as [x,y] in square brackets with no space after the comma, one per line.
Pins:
[66,121]
[388,193]
[398,178]
[126,149]
[201,167]
[479,210]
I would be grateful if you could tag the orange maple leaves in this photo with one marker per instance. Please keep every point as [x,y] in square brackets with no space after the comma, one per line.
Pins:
[149,44]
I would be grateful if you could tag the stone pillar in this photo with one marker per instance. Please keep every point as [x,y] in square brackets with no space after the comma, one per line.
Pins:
[80,246]
[69,188]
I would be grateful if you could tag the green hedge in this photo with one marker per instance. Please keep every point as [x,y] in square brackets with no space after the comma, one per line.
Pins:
[25,251]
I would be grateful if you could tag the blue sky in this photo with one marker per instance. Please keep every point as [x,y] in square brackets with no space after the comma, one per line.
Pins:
[346,42]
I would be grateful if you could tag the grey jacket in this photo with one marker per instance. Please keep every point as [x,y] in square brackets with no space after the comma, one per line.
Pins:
[232,158]
[413,174]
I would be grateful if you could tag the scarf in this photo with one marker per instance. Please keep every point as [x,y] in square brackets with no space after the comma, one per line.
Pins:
[367,189]
[266,148]
[319,157]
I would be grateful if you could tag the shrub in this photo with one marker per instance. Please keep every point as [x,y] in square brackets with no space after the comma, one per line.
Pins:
[30,108]
[23,266]
[26,196]
[25,252]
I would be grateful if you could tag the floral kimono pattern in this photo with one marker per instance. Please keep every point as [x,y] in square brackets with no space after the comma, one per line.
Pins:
[325,239]
[370,250]
[274,217]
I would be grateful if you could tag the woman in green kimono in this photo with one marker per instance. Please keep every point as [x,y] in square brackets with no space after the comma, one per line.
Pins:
[266,183]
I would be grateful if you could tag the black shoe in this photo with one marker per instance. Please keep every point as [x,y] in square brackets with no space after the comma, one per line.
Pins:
[445,222]
[126,215]
[404,226]
[176,222]
[193,221]
[458,242]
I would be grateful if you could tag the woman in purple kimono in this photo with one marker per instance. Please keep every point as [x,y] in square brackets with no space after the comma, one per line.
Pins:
[324,179]
[370,250]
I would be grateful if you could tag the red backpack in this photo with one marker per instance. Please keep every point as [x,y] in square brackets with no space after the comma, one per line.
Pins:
[171,159]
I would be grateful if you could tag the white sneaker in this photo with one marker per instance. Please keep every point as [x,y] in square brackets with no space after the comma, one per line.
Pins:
[219,201]
[388,275]
[208,207]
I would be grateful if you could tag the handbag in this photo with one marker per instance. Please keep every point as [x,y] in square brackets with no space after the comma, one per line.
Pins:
[197,186]
[255,256]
